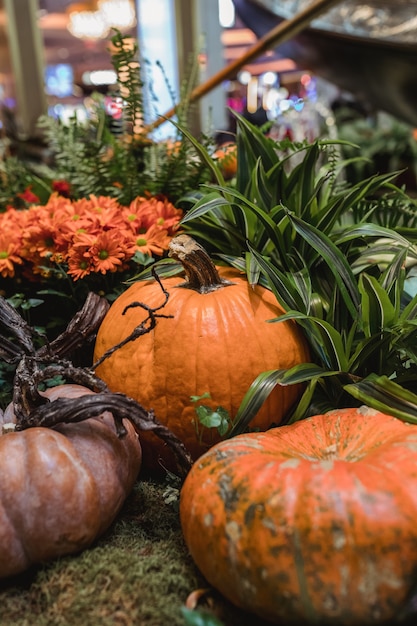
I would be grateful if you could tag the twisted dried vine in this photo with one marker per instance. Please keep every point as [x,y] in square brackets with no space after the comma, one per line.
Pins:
[36,366]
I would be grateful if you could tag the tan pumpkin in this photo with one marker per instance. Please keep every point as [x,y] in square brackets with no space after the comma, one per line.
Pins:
[62,487]
[312,523]
[214,337]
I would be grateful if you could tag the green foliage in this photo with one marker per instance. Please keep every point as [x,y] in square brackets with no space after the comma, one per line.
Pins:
[15,177]
[126,62]
[95,158]
[207,417]
[387,144]
[338,256]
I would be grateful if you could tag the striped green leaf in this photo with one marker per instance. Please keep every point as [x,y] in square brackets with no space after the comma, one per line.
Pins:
[335,260]
[385,395]
[377,310]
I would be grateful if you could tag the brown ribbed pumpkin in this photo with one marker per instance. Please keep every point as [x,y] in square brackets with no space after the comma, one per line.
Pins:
[61,487]
[215,338]
[311,523]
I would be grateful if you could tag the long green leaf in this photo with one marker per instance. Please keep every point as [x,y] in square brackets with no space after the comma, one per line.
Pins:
[281,284]
[264,384]
[377,310]
[357,231]
[386,396]
[204,155]
[335,260]
[327,339]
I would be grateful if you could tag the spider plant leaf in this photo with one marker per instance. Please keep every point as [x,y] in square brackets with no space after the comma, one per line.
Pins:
[281,284]
[165,268]
[204,154]
[363,189]
[303,405]
[410,311]
[252,269]
[259,186]
[254,143]
[387,396]
[377,310]
[393,280]
[357,231]
[208,202]
[264,384]
[301,182]
[371,354]
[335,260]
[323,336]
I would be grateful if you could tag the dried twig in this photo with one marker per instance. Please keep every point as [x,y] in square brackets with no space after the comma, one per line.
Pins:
[144,327]
[35,367]
[80,329]
[68,410]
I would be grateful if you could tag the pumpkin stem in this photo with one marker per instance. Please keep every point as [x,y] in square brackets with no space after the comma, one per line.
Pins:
[201,273]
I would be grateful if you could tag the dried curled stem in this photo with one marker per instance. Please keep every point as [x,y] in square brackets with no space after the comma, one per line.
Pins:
[80,329]
[15,325]
[144,327]
[69,410]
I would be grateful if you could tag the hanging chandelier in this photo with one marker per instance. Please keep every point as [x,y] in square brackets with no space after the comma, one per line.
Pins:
[94,19]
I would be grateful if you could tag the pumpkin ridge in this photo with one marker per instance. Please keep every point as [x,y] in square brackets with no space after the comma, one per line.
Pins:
[12,515]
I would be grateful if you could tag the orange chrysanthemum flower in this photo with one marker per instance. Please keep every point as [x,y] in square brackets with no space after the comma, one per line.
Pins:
[90,235]
[153,241]
[79,266]
[144,212]
[9,255]
[106,252]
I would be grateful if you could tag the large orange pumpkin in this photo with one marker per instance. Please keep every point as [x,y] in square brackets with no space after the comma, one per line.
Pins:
[312,523]
[215,338]
[61,487]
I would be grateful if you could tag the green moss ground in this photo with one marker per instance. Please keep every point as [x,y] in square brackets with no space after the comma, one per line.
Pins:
[139,573]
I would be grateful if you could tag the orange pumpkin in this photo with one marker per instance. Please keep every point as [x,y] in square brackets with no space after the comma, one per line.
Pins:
[214,338]
[226,158]
[62,487]
[309,523]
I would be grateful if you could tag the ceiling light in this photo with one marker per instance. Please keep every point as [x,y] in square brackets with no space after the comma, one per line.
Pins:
[118,13]
[86,22]
[94,19]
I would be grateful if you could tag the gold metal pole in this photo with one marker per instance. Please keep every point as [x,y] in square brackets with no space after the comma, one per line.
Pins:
[282,32]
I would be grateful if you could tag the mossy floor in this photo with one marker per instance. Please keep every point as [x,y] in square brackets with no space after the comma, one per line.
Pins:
[139,573]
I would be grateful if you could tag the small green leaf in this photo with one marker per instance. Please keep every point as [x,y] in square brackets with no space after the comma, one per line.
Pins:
[213,418]
[204,396]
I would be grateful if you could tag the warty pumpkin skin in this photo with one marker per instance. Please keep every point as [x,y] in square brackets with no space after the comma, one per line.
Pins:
[309,523]
[61,487]
[214,340]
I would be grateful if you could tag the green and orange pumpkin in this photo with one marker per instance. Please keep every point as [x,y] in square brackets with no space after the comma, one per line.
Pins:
[310,523]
